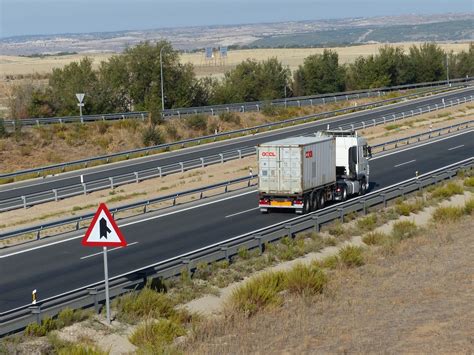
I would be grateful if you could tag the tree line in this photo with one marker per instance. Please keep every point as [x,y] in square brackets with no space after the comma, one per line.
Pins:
[131,81]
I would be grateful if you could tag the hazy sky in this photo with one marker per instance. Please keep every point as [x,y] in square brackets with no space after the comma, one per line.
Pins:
[20,17]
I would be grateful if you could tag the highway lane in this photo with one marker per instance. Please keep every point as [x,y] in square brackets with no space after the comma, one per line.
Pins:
[97,173]
[64,266]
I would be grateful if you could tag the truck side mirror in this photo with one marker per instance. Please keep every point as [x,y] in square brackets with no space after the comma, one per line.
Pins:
[369,151]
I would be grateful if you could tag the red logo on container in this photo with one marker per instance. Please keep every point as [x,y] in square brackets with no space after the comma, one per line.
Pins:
[268,154]
[309,154]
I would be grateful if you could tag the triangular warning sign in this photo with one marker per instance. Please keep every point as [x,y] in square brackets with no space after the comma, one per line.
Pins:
[103,231]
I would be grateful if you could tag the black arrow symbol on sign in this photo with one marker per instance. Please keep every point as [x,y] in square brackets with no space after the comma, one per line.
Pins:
[103,228]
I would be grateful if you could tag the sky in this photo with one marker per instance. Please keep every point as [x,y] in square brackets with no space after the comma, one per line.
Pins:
[27,17]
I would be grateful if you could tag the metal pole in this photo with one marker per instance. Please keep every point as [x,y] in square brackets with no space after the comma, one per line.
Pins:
[447,69]
[161,70]
[106,278]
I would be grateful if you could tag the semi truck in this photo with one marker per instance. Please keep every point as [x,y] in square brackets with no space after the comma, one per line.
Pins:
[304,173]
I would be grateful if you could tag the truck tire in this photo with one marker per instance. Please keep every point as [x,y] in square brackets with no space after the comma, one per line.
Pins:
[321,200]
[314,201]
[344,194]
[363,187]
[306,204]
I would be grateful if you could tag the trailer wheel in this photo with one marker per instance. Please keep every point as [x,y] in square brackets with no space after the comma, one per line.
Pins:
[322,200]
[306,204]
[314,201]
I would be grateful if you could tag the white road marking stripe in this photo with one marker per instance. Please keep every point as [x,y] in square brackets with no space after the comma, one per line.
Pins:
[405,163]
[459,146]
[235,214]
[100,253]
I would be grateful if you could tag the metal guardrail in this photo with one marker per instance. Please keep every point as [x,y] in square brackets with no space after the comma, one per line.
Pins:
[84,163]
[93,295]
[240,107]
[141,175]
[302,100]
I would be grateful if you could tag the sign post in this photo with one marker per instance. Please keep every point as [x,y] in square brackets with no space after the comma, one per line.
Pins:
[104,232]
[80,98]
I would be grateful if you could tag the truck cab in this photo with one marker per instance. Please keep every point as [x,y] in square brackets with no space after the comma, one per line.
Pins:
[352,164]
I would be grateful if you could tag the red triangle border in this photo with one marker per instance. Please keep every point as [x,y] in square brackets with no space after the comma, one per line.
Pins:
[85,242]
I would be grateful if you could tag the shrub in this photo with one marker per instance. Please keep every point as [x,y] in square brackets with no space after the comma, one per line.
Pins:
[68,316]
[102,127]
[151,136]
[447,214]
[405,208]
[447,190]
[469,206]
[367,223]
[331,262]
[404,230]
[230,117]
[336,229]
[39,330]
[146,303]
[154,335]
[197,122]
[258,293]
[305,280]
[351,256]
[374,238]
[469,182]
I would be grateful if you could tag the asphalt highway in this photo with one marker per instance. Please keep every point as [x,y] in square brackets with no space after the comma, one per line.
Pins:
[59,266]
[113,170]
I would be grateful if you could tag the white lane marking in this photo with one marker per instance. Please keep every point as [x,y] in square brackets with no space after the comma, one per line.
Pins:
[100,253]
[456,147]
[130,223]
[405,163]
[419,145]
[235,214]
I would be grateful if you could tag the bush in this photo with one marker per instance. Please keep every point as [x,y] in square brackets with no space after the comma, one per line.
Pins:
[448,214]
[404,230]
[69,316]
[39,330]
[447,190]
[336,229]
[469,206]
[146,303]
[468,182]
[351,256]
[258,293]
[197,122]
[151,136]
[230,117]
[374,238]
[367,223]
[405,208]
[154,335]
[305,280]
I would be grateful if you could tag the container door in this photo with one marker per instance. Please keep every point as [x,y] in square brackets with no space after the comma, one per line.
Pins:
[269,171]
[289,169]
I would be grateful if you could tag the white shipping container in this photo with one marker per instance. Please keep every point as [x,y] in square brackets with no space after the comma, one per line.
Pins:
[295,165]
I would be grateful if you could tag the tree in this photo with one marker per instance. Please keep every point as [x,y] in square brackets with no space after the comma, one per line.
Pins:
[426,63]
[319,74]
[462,64]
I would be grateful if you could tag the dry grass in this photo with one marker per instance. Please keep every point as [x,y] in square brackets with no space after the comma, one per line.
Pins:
[371,309]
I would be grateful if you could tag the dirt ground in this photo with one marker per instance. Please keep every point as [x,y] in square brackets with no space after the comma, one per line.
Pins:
[416,301]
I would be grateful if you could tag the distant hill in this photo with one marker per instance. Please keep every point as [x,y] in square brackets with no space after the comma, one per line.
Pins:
[462,30]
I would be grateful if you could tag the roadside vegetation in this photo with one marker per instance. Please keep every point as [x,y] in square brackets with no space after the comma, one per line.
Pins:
[156,315]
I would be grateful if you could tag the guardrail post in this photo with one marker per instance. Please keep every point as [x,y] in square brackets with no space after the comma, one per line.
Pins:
[258,107]
[364,206]
[181,164]
[36,310]
[159,171]
[261,246]
[23,198]
[288,228]
[222,158]
[202,162]
[299,103]
[145,207]
[311,102]
[174,200]
[374,121]
[226,253]
[243,108]
[341,214]
[347,97]
[226,187]
[316,223]
[93,292]
[212,112]
[240,153]
[77,224]
[363,124]
[186,263]
[384,197]
[111,182]
[136,177]
[38,234]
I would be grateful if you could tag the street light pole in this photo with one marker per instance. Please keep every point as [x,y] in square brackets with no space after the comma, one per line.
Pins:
[161,70]
[447,69]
